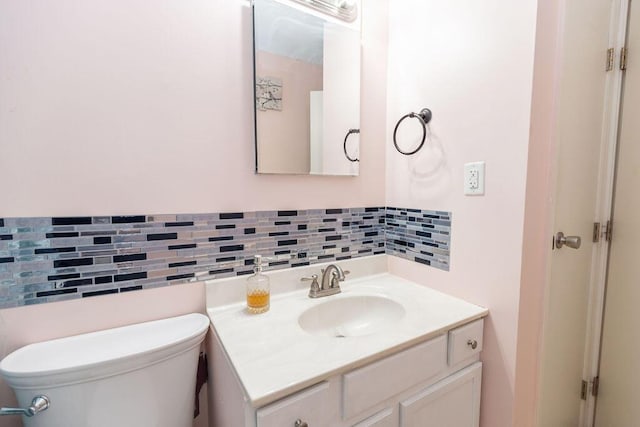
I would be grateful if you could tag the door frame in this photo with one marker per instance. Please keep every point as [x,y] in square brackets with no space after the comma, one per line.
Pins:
[604,205]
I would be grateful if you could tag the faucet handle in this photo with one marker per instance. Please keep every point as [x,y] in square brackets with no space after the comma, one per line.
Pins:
[315,286]
[314,281]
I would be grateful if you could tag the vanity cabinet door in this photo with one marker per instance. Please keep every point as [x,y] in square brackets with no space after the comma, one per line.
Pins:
[452,402]
[385,418]
[314,406]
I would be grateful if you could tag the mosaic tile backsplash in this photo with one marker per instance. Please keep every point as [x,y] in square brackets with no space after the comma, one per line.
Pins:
[418,235]
[54,259]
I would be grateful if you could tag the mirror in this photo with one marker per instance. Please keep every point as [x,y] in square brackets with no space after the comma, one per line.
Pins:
[307,91]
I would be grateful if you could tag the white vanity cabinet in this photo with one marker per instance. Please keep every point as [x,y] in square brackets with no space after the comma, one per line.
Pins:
[454,401]
[432,383]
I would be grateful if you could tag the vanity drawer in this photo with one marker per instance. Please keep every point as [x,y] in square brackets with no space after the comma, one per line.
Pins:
[465,341]
[313,406]
[392,375]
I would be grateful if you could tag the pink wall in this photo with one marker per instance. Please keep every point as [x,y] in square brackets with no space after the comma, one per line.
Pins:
[79,136]
[283,136]
[471,63]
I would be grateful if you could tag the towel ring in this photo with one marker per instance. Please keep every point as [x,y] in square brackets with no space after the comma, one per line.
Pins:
[344,146]
[424,117]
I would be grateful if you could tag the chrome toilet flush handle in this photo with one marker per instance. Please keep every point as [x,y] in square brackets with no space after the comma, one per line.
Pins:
[38,404]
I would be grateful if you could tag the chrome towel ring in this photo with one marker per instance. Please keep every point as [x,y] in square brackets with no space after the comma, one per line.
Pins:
[344,146]
[424,116]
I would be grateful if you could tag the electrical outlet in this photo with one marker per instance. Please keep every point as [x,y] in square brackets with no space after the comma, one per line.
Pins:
[474,179]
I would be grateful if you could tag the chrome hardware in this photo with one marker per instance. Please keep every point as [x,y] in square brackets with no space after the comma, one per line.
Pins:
[300,423]
[315,287]
[595,386]
[611,57]
[623,58]
[571,241]
[38,404]
[595,236]
[331,278]
[344,146]
[424,117]
[602,231]
[608,232]
[473,344]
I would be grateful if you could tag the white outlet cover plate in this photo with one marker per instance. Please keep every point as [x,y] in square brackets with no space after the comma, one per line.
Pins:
[474,179]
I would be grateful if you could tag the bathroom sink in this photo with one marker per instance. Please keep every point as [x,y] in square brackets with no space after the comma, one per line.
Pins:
[351,316]
[302,341]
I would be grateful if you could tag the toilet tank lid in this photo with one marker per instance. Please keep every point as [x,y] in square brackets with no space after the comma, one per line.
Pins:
[103,347]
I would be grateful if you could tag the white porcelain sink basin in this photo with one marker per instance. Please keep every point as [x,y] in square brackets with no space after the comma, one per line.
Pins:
[351,316]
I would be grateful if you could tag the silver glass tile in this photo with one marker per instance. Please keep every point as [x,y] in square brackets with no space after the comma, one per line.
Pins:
[101,220]
[356,228]
[102,260]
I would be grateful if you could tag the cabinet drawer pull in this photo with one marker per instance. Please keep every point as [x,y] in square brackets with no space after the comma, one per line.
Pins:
[473,344]
[300,423]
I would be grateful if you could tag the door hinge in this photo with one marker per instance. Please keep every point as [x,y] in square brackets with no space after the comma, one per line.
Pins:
[611,57]
[584,388]
[602,232]
[595,385]
[623,58]
[608,231]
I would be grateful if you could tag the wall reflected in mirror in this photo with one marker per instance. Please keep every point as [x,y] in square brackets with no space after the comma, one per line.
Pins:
[307,91]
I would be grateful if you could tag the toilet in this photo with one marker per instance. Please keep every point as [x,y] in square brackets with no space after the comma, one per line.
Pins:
[141,375]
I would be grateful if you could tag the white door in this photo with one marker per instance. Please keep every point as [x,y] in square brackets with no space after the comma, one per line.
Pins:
[620,356]
[581,100]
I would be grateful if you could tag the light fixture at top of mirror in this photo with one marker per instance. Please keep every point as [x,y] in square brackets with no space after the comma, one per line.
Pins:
[345,10]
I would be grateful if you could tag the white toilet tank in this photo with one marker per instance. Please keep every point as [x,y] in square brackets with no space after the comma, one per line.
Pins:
[141,375]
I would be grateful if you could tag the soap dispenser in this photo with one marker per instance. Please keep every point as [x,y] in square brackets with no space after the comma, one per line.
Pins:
[258,289]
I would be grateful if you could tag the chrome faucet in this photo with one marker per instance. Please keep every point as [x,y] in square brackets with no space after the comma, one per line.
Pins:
[330,282]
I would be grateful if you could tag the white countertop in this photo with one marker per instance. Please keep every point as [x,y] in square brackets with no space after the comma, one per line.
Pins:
[273,356]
